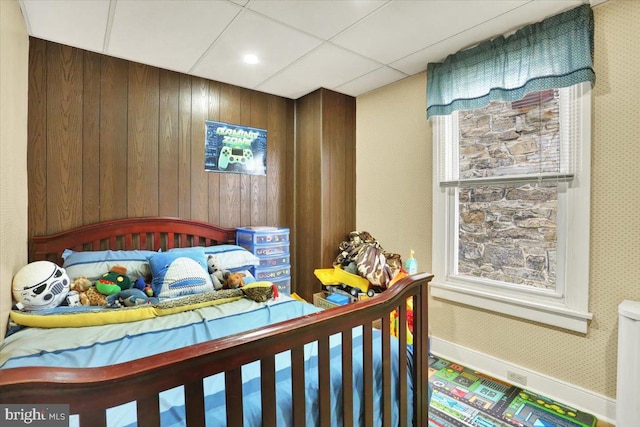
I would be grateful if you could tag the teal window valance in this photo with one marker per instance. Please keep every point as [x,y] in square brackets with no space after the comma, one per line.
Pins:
[554,53]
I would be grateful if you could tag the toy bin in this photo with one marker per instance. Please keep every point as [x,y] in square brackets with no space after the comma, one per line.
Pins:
[274,260]
[262,235]
[284,285]
[320,300]
[271,274]
[267,250]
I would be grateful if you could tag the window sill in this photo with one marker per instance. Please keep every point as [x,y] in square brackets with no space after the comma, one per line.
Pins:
[542,312]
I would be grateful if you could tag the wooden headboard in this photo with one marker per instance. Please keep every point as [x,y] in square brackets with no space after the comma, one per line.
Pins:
[150,233]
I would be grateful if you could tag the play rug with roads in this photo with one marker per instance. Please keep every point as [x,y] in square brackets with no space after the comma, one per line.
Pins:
[463,397]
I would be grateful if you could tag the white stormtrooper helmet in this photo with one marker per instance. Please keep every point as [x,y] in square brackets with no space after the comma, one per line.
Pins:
[40,285]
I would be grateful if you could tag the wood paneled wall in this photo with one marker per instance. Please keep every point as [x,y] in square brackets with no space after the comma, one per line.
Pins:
[110,138]
[325,182]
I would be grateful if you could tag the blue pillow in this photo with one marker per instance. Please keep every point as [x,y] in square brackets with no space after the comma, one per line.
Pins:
[180,272]
[93,264]
[231,257]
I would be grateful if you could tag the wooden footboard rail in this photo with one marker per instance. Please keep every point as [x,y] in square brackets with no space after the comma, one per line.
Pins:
[90,391]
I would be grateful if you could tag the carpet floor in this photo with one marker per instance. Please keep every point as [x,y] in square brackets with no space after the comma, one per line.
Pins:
[463,397]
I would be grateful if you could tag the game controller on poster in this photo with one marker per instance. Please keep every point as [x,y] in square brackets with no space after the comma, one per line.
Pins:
[235,149]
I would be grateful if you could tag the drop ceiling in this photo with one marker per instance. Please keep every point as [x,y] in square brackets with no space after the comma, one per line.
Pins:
[349,46]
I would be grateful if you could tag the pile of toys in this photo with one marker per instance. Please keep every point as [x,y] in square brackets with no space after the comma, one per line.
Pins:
[42,285]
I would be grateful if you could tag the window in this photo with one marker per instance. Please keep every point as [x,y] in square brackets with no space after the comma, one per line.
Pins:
[511,207]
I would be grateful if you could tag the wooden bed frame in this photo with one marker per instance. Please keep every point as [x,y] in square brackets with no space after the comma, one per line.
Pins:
[90,391]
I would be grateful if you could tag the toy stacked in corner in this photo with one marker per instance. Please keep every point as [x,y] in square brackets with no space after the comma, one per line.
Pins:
[363,254]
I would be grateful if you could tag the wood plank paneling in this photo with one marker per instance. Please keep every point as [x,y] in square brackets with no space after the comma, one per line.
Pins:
[350,163]
[199,178]
[91,138]
[324,207]
[184,149]
[37,138]
[277,176]
[168,144]
[333,169]
[114,87]
[142,145]
[109,138]
[230,196]
[64,138]
[214,177]
[258,191]
[245,180]
[308,193]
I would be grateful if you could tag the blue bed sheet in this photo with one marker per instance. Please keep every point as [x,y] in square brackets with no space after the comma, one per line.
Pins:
[157,335]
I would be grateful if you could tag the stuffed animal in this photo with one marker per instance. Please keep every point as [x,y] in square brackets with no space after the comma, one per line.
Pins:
[72,299]
[129,298]
[87,293]
[218,275]
[260,291]
[234,280]
[114,281]
[40,285]
[145,287]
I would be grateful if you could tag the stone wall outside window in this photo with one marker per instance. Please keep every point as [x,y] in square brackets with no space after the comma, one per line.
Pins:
[507,232]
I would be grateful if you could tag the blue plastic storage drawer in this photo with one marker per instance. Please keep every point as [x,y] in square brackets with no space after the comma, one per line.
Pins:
[261,235]
[271,274]
[274,260]
[284,285]
[267,250]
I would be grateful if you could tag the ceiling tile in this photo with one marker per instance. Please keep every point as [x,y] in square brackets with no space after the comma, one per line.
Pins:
[375,79]
[351,46]
[401,28]
[506,23]
[274,44]
[74,23]
[172,34]
[329,66]
[323,19]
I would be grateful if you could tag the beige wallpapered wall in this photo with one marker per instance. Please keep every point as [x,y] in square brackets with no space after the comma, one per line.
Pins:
[588,361]
[393,167]
[14,54]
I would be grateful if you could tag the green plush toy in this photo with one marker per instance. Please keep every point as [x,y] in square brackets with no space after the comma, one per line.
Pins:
[114,281]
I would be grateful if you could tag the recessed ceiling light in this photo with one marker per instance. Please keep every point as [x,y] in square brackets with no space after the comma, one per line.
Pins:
[251,58]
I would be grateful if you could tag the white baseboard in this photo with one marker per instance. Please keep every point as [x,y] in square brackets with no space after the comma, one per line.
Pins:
[603,407]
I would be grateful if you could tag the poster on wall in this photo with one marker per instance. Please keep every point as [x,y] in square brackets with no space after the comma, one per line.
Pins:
[235,149]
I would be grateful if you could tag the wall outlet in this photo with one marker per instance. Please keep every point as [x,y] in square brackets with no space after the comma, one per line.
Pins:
[517,378]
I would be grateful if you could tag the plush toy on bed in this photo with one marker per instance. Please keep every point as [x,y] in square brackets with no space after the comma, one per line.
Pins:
[234,280]
[260,291]
[217,273]
[87,293]
[145,287]
[40,285]
[114,281]
[129,298]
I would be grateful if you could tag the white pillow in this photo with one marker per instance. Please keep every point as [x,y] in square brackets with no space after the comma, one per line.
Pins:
[231,257]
